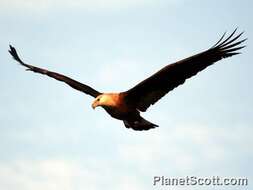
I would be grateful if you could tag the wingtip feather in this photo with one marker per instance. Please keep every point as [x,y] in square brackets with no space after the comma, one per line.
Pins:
[230,45]
[14,54]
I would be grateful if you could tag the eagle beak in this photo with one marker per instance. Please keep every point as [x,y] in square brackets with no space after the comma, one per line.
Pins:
[94,105]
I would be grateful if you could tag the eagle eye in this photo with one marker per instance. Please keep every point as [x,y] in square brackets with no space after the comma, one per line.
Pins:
[98,99]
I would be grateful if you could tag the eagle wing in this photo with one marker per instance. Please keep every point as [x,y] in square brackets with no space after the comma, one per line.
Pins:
[73,83]
[149,91]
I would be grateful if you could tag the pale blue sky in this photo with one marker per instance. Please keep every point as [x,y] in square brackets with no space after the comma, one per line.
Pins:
[50,138]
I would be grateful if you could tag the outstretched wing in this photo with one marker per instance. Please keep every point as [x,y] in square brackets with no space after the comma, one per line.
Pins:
[155,87]
[73,83]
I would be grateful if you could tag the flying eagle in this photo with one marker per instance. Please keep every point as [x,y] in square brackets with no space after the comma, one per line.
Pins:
[126,106]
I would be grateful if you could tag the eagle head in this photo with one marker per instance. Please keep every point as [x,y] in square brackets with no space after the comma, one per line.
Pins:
[104,100]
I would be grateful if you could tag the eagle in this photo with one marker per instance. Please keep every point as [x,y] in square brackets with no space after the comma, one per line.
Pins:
[128,105]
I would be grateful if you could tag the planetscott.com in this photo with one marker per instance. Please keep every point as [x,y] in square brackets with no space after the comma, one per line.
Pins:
[199,181]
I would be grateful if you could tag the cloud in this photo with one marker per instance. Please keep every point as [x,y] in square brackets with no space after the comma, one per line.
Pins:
[62,174]
[181,150]
[47,174]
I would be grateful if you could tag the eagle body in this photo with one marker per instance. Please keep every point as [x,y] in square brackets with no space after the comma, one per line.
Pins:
[128,105]
[116,105]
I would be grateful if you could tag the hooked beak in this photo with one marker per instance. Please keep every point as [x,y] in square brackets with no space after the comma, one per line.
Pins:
[94,105]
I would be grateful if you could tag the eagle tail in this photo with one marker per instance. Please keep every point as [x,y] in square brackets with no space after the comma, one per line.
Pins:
[139,125]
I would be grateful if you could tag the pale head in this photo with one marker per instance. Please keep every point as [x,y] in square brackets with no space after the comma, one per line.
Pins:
[104,100]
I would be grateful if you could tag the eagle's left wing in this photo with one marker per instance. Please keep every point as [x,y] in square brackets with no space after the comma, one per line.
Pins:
[155,87]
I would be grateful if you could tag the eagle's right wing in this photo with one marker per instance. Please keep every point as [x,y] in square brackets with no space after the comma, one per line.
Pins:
[73,83]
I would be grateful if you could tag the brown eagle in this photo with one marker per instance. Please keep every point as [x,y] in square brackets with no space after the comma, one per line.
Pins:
[126,106]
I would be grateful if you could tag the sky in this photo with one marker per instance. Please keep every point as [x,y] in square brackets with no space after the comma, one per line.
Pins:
[50,138]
